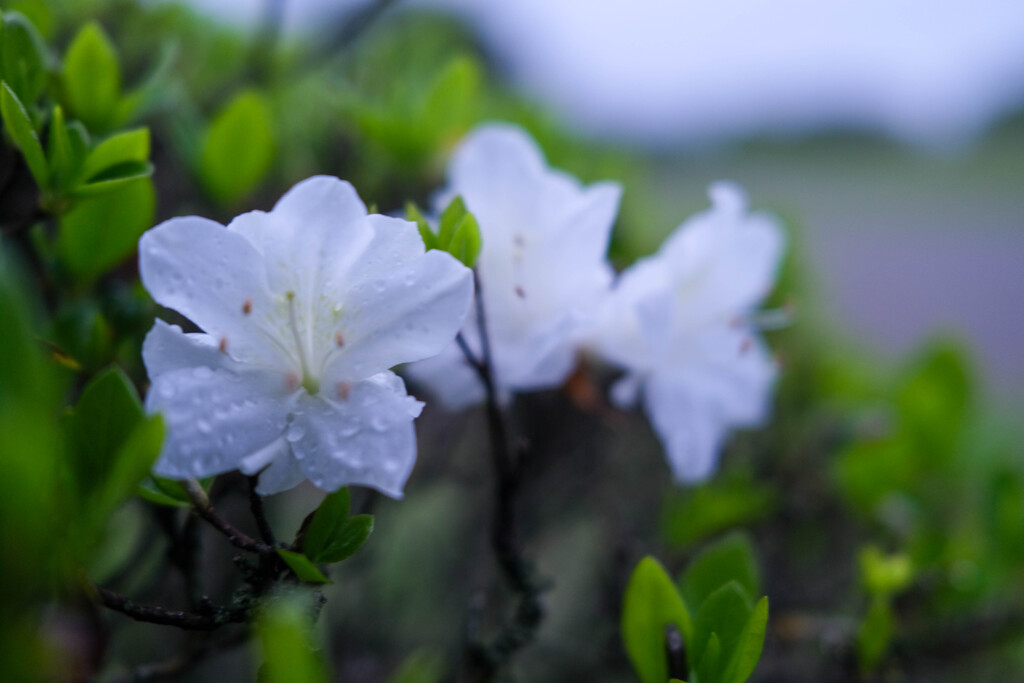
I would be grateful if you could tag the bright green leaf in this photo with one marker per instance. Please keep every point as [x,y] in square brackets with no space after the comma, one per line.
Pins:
[99,232]
[23,57]
[465,243]
[708,666]
[130,146]
[331,514]
[749,645]
[286,639]
[731,559]
[450,219]
[449,104]
[131,463]
[302,566]
[885,574]
[61,154]
[724,613]
[238,148]
[413,213]
[114,178]
[24,136]
[724,503]
[651,603]
[874,634]
[92,78]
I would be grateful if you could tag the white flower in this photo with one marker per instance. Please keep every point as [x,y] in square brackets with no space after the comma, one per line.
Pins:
[542,267]
[303,311]
[679,323]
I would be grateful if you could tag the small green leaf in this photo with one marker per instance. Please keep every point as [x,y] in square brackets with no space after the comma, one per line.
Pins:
[874,634]
[413,213]
[450,219]
[465,243]
[101,231]
[332,535]
[148,490]
[115,177]
[104,417]
[92,78]
[650,604]
[721,504]
[130,146]
[238,148]
[302,566]
[61,154]
[731,559]
[708,666]
[23,57]
[725,614]
[132,462]
[348,539]
[885,574]
[449,104]
[285,630]
[24,136]
[749,645]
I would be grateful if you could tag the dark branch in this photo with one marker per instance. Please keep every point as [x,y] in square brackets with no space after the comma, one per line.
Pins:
[203,508]
[258,512]
[192,621]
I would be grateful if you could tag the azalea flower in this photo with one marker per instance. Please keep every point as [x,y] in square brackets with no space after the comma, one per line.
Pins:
[303,310]
[680,324]
[542,270]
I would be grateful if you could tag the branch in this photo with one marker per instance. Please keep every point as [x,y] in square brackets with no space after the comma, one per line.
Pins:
[518,572]
[258,511]
[203,508]
[192,621]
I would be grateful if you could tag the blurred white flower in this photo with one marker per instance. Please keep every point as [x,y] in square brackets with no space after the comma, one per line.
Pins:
[542,269]
[303,311]
[679,323]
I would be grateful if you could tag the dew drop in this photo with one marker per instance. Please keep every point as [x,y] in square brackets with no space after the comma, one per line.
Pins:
[203,426]
[294,433]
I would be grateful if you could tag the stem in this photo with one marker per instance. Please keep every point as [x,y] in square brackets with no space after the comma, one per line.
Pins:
[518,572]
[203,508]
[258,511]
[153,614]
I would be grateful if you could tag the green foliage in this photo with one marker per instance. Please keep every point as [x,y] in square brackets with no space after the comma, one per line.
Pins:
[874,634]
[458,232]
[23,57]
[303,567]
[725,502]
[99,232]
[332,535]
[19,127]
[731,559]
[286,640]
[652,604]
[118,160]
[238,148]
[92,78]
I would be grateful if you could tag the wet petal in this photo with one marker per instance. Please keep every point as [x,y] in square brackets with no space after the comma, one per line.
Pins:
[167,348]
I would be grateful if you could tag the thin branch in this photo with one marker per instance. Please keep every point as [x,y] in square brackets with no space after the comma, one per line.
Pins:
[259,513]
[518,572]
[203,508]
[192,621]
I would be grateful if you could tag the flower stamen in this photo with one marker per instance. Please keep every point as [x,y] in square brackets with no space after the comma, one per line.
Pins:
[309,382]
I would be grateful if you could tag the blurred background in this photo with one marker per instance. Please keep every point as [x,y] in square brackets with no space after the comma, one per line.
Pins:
[887,135]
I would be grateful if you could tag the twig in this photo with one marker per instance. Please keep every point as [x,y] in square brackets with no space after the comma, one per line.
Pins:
[203,508]
[193,621]
[518,572]
[259,513]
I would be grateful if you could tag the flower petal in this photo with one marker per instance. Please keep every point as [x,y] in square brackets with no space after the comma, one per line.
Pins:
[214,277]
[449,378]
[411,313]
[167,348]
[690,429]
[216,417]
[366,438]
[284,473]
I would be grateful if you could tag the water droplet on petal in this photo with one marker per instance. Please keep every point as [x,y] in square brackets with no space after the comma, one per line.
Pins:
[294,433]
[203,426]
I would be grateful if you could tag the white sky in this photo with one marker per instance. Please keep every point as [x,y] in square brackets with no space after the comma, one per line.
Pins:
[702,71]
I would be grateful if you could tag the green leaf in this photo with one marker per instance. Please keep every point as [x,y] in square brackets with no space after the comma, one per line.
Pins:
[115,177]
[171,492]
[450,102]
[874,634]
[650,604]
[24,136]
[238,148]
[724,613]
[450,219]
[302,566]
[37,12]
[286,639]
[885,574]
[749,645]
[731,559]
[131,463]
[106,414]
[23,57]
[92,78]
[61,154]
[465,243]
[332,535]
[708,666]
[413,213]
[126,147]
[99,232]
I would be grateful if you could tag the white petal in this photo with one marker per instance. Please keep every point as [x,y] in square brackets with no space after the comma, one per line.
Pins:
[209,274]
[690,430]
[215,418]
[395,242]
[407,315]
[364,438]
[284,473]
[449,378]
[167,348]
